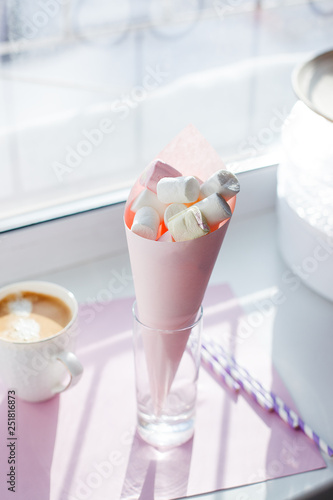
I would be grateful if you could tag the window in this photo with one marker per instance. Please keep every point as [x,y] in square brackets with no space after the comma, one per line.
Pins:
[92,90]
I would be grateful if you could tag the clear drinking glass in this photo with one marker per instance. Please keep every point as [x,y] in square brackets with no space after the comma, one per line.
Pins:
[167,367]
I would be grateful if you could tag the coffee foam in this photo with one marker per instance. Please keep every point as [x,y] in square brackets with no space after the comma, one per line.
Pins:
[23,329]
[20,307]
[27,329]
[29,316]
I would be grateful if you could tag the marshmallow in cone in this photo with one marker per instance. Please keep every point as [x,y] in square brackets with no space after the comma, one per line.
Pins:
[170,278]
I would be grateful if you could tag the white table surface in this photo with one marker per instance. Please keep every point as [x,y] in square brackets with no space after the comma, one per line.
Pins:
[301,336]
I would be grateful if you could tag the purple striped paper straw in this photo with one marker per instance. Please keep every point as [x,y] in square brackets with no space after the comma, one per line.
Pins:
[245,384]
[314,436]
[282,408]
[279,406]
[220,371]
[286,414]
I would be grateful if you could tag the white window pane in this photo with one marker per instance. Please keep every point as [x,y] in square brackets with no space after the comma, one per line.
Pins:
[141,70]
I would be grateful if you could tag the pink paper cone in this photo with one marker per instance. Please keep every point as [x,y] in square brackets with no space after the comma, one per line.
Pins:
[163,353]
[170,278]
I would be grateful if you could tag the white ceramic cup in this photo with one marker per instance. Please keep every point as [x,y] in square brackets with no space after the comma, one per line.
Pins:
[40,369]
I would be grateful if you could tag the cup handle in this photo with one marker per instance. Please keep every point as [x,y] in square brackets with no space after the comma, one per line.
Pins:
[74,368]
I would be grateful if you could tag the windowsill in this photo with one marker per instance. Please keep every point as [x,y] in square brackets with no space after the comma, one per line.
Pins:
[112,197]
[64,210]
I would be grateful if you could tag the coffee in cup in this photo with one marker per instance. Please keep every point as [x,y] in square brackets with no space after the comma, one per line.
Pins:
[28,316]
[38,331]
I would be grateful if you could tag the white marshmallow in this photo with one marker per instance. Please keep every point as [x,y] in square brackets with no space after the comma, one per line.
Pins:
[155,171]
[178,189]
[172,210]
[222,182]
[148,199]
[214,208]
[188,225]
[146,223]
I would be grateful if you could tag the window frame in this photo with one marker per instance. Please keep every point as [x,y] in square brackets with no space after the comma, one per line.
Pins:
[96,233]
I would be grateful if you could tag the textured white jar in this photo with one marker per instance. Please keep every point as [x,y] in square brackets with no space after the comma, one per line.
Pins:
[305,198]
